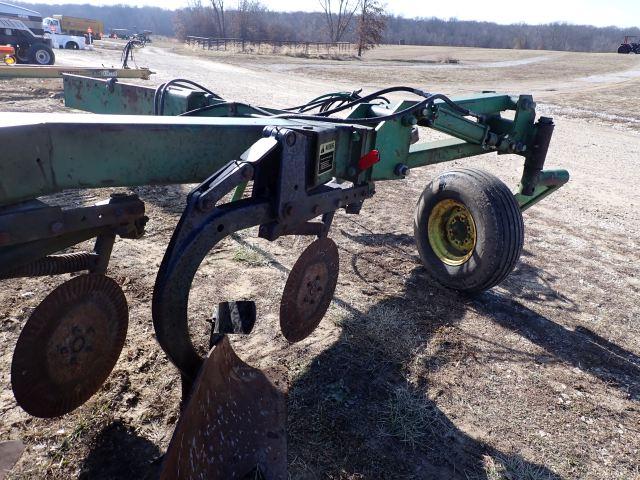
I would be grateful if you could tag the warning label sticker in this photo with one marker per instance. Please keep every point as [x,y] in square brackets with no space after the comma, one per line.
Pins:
[327,157]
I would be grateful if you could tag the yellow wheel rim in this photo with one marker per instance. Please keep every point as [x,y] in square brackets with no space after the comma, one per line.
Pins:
[452,232]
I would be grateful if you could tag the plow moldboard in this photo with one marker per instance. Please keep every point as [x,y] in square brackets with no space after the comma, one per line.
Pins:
[233,427]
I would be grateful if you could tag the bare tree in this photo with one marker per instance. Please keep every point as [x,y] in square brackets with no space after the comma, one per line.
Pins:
[218,12]
[249,19]
[371,25]
[338,22]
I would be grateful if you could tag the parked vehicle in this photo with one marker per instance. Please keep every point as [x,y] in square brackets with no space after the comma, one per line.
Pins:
[61,39]
[65,24]
[70,42]
[121,33]
[21,28]
[628,46]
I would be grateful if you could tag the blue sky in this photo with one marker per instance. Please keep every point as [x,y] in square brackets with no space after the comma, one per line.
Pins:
[623,13]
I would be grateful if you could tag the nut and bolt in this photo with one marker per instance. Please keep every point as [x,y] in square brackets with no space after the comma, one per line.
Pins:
[291,139]
[518,147]
[246,172]
[401,170]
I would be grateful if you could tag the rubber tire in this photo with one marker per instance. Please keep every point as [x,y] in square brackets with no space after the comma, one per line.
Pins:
[41,46]
[499,226]
[624,49]
[72,46]
[22,54]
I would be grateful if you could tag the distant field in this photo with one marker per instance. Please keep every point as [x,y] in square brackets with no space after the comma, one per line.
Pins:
[538,379]
[585,85]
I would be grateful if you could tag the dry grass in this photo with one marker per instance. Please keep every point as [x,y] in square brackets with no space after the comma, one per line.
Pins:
[250,257]
[410,418]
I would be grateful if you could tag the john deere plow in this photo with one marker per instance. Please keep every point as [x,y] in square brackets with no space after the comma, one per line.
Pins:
[285,171]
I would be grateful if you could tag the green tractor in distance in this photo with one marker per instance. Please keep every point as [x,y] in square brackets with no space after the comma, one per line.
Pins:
[627,46]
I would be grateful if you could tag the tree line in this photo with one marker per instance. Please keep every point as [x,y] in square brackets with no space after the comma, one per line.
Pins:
[553,36]
[252,20]
[360,21]
[156,19]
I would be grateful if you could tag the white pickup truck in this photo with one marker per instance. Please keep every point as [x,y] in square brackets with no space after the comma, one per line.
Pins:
[51,27]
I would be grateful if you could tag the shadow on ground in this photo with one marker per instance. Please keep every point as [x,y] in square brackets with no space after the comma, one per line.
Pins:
[353,414]
[118,452]
[579,348]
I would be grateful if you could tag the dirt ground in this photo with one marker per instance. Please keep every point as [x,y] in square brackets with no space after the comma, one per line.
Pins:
[536,379]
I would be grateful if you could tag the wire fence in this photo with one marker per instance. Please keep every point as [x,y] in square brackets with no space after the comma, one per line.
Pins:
[270,46]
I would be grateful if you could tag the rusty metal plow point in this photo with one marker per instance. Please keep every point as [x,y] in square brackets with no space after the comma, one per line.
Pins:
[233,426]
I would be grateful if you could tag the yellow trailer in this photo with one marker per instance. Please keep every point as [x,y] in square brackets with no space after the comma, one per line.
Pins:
[80,26]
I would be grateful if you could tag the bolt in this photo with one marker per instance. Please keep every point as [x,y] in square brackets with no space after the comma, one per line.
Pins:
[401,170]
[57,227]
[246,172]
[291,139]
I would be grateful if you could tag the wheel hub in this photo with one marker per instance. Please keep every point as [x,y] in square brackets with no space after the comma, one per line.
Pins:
[42,57]
[452,232]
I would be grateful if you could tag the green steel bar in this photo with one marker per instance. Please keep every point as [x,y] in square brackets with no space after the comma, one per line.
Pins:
[484,103]
[47,153]
[440,151]
[550,181]
[460,127]
[56,71]
[392,141]
[118,98]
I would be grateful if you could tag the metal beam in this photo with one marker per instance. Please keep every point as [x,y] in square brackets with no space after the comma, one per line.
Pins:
[56,71]
[48,153]
[440,151]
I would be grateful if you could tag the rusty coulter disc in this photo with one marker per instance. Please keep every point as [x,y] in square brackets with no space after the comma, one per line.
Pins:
[69,346]
[309,290]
